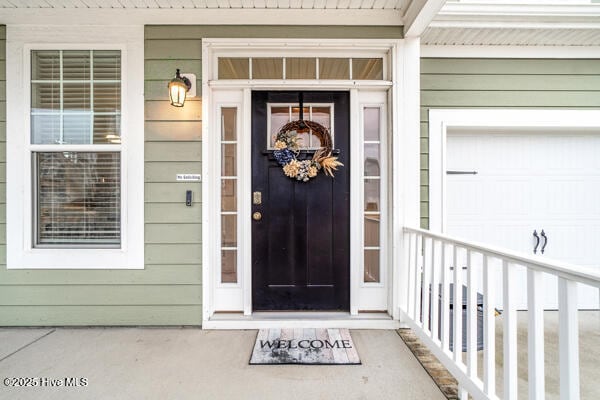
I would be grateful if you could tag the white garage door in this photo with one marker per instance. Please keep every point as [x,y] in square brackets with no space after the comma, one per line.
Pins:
[528,181]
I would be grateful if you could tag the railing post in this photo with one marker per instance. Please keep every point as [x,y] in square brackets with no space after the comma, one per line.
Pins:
[489,331]
[568,339]
[510,333]
[535,335]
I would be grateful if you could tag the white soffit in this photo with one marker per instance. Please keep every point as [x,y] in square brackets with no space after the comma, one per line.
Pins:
[515,23]
[190,4]
[204,12]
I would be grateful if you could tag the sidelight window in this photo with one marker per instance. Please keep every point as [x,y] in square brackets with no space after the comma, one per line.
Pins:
[372,190]
[229,195]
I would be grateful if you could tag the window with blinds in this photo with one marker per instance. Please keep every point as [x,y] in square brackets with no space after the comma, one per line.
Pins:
[76,147]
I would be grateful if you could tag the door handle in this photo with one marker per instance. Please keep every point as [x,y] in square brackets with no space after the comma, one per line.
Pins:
[537,241]
[545,240]
[257,216]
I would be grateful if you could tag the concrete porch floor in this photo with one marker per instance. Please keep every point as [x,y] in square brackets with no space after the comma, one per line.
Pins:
[187,363]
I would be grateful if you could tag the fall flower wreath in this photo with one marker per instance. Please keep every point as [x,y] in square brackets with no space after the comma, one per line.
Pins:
[287,150]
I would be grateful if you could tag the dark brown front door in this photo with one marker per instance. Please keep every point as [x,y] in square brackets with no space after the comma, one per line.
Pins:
[300,247]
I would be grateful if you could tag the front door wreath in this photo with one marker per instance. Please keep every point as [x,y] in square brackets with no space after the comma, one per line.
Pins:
[287,150]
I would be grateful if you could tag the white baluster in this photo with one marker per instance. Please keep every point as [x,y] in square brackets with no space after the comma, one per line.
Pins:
[489,330]
[568,339]
[435,312]
[417,278]
[426,293]
[445,300]
[510,333]
[410,292]
[471,318]
[457,309]
[535,339]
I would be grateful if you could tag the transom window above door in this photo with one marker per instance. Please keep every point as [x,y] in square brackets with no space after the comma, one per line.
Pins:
[280,114]
[323,68]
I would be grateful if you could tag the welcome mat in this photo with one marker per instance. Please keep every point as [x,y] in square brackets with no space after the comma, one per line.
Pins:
[304,346]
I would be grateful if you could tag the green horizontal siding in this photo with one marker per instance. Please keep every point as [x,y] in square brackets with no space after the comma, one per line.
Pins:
[169,290]
[501,83]
[75,315]
[189,32]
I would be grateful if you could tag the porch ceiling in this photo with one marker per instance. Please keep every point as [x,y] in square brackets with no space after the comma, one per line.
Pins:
[227,4]
[515,23]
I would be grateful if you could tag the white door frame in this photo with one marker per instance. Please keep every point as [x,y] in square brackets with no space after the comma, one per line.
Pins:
[440,120]
[397,163]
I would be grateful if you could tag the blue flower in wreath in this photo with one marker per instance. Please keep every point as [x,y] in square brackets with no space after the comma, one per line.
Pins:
[283,156]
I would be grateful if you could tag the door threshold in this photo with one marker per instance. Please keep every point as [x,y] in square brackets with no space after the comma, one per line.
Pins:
[301,319]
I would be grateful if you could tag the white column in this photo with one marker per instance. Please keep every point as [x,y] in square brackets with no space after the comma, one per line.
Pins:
[405,159]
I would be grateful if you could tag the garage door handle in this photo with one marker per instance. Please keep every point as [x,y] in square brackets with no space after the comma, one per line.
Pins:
[537,241]
[545,240]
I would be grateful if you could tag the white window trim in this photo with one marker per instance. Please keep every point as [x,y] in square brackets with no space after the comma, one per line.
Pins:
[440,120]
[20,251]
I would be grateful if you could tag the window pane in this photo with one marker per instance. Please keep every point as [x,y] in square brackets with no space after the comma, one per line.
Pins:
[229,266]
[322,115]
[300,68]
[45,129]
[367,68]
[228,195]
[267,68]
[372,159]
[371,123]
[371,230]
[228,230]
[228,124]
[45,65]
[372,195]
[228,162]
[107,64]
[234,68]
[89,115]
[76,128]
[107,97]
[371,266]
[303,137]
[107,129]
[78,198]
[279,117]
[334,68]
[76,96]
[45,97]
[76,65]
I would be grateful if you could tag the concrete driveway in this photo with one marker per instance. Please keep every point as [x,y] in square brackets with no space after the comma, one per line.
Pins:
[186,363]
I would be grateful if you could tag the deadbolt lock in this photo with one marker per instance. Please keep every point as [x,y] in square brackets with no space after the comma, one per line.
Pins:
[257,198]
[257,216]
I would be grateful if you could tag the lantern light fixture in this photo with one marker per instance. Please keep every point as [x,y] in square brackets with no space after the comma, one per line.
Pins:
[178,88]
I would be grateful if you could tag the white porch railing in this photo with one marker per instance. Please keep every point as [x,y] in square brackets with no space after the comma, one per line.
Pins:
[489,271]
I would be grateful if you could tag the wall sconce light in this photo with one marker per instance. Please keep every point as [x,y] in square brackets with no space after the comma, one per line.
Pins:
[178,88]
